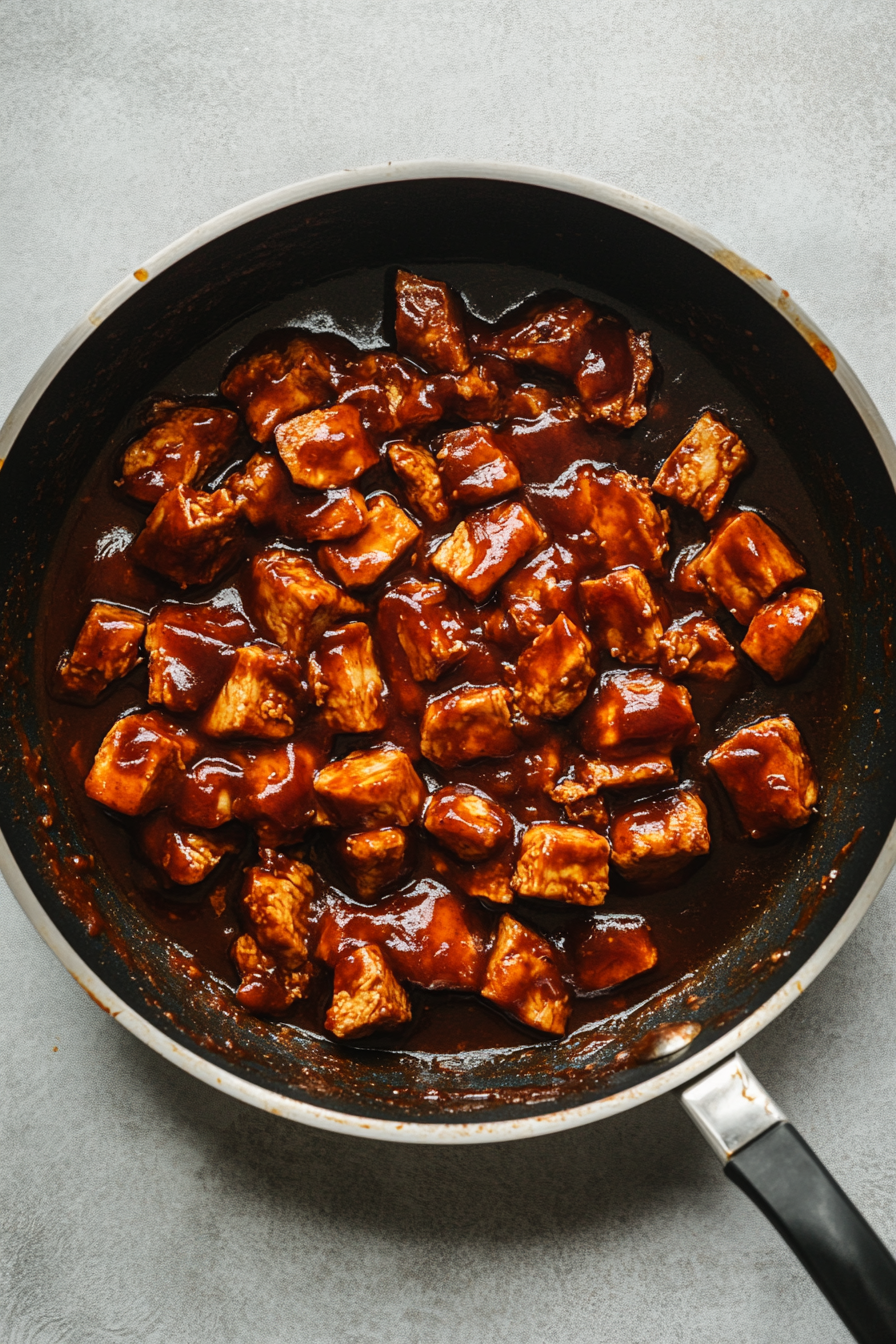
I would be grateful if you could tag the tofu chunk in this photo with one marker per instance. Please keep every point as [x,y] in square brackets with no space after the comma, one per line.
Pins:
[374,859]
[697,647]
[276,902]
[416,469]
[325,448]
[181,444]
[625,615]
[264,986]
[366,996]
[609,949]
[189,537]
[555,336]
[293,603]
[279,381]
[191,651]
[485,546]
[474,467]
[388,535]
[391,395]
[768,776]
[634,712]
[699,471]
[553,674]
[346,680]
[745,563]
[488,881]
[629,526]
[371,788]
[185,857]
[591,775]
[659,837]
[470,824]
[266,499]
[139,764]
[468,724]
[275,793]
[613,378]
[523,977]
[428,630]
[429,325]
[787,632]
[108,647]
[263,696]
[539,590]
[562,863]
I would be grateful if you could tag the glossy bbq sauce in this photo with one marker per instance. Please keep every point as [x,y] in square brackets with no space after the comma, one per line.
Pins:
[715,902]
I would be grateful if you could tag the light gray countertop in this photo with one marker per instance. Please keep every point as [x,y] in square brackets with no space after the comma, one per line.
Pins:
[140,1206]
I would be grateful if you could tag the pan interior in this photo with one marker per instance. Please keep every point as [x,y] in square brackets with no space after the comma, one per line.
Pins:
[751,920]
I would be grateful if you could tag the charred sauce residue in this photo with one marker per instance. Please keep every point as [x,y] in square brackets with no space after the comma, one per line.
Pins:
[715,904]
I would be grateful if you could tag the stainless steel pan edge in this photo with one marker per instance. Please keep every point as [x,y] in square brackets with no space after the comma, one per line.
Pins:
[699,1060]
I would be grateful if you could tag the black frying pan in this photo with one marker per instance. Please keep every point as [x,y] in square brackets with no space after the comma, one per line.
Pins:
[642,259]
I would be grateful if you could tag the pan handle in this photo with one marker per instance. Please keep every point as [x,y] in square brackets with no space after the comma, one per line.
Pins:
[773,1164]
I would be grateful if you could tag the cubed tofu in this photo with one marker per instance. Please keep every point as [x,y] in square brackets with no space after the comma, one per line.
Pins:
[474,467]
[428,630]
[190,537]
[485,546]
[370,789]
[555,336]
[553,674]
[276,794]
[207,792]
[266,499]
[108,647]
[629,526]
[139,764]
[429,325]
[390,394]
[191,650]
[613,377]
[276,902]
[416,468]
[745,563]
[523,977]
[660,836]
[699,471]
[325,448]
[787,632]
[183,856]
[278,382]
[539,590]
[609,949]
[562,863]
[488,881]
[263,696]
[389,534]
[374,859]
[636,711]
[180,446]
[468,724]
[590,776]
[768,776]
[346,680]
[264,986]
[468,823]
[366,995]
[697,647]
[293,603]
[625,615]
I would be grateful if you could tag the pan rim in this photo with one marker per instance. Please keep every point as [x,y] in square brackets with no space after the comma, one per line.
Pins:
[469,1131]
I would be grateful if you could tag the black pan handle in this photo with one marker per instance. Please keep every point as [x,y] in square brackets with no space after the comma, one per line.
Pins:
[773,1164]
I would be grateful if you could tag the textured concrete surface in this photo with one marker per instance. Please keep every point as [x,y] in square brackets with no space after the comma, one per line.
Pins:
[139,1206]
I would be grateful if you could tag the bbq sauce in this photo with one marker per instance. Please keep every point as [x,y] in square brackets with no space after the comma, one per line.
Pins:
[694,916]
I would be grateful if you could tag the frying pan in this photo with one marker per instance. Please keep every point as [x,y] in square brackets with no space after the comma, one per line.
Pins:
[731,313]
